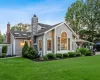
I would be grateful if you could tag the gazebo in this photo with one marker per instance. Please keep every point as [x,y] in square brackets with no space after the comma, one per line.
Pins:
[84,43]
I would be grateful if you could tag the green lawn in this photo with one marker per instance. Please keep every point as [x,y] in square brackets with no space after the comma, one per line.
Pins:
[83,68]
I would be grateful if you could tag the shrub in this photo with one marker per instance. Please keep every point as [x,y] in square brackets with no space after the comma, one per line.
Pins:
[72,54]
[59,55]
[83,51]
[45,57]
[88,53]
[78,54]
[51,56]
[4,49]
[32,53]
[3,55]
[65,55]
[25,50]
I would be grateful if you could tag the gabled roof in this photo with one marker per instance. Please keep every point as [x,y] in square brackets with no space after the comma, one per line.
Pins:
[40,32]
[44,25]
[45,29]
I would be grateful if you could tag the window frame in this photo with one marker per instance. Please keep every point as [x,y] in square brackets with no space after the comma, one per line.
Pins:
[69,40]
[61,41]
[47,44]
[41,45]
[58,49]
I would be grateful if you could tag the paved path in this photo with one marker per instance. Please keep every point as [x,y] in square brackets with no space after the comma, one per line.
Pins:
[10,57]
[97,53]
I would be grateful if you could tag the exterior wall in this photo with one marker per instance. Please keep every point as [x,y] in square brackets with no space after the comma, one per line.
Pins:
[53,34]
[49,35]
[12,42]
[18,47]
[59,30]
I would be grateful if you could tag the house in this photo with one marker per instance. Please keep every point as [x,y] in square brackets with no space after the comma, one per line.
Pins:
[58,38]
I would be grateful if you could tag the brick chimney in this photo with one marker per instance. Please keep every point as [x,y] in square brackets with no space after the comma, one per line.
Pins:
[8,33]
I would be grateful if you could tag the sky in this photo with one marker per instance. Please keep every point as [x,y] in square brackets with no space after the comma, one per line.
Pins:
[21,11]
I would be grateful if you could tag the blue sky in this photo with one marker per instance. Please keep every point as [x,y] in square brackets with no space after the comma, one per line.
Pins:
[48,11]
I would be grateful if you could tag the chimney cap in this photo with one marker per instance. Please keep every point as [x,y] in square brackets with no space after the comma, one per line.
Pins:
[8,22]
[35,15]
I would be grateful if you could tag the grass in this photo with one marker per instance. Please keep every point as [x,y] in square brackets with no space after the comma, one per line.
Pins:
[83,68]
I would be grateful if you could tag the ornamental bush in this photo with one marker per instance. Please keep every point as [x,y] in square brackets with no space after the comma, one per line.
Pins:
[45,58]
[4,51]
[59,55]
[78,54]
[25,50]
[83,51]
[32,53]
[89,53]
[65,55]
[72,54]
[51,56]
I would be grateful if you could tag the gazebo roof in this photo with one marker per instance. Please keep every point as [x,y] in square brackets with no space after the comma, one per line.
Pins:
[83,41]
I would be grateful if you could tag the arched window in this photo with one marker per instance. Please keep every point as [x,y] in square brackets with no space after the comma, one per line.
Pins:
[64,41]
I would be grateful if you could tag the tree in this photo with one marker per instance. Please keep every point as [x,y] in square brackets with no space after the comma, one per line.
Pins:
[32,53]
[25,50]
[1,38]
[85,14]
[20,27]
[91,12]
[29,52]
[73,16]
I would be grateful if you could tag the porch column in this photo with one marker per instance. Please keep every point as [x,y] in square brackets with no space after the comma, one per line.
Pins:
[55,40]
[43,45]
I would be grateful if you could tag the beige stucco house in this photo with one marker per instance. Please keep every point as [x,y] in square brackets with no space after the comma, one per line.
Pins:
[58,38]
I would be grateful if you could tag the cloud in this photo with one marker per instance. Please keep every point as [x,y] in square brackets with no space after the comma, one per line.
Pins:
[50,13]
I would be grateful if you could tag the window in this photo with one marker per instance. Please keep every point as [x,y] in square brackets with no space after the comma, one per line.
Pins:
[22,42]
[40,44]
[24,34]
[49,45]
[68,43]
[64,41]
[28,42]
[16,33]
[58,43]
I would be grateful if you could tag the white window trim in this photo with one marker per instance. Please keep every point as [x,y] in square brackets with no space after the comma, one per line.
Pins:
[68,43]
[24,34]
[16,33]
[58,51]
[60,41]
